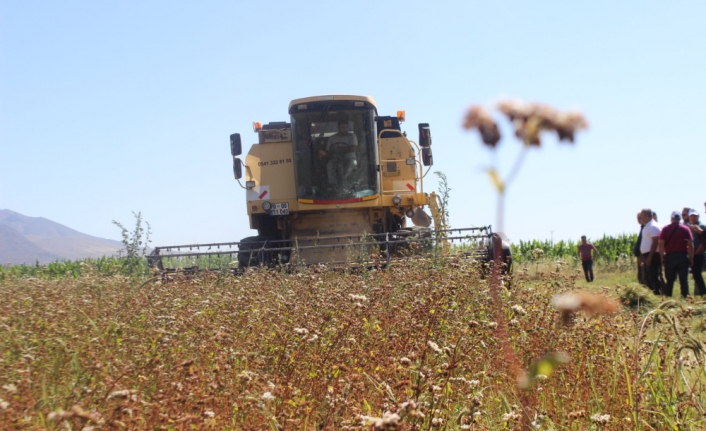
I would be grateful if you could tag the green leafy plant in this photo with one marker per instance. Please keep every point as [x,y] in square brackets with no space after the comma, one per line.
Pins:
[444,196]
[611,249]
[136,244]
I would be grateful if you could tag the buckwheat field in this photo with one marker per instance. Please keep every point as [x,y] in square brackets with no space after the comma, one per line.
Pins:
[417,346]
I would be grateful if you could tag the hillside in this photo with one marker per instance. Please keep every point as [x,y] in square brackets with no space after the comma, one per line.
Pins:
[16,249]
[27,239]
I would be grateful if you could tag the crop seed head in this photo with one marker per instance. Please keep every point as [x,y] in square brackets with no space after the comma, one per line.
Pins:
[435,347]
[519,310]
[511,417]
[600,419]
[388,421]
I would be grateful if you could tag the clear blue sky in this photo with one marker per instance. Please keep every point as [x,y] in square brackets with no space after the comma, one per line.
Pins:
[113,107]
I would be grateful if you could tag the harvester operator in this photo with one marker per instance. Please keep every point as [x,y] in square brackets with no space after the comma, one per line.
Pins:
[341,147]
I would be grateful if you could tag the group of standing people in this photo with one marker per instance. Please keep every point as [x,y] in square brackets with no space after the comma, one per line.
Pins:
[675,248]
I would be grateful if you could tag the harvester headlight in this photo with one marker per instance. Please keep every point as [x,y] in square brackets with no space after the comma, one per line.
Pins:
[249,184]
[410,161]
[396,199]
[266,206]
[409,213]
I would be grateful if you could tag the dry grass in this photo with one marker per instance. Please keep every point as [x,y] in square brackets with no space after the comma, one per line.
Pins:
[411,347]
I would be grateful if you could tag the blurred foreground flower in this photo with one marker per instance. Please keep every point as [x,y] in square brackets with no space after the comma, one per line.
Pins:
[478,118]
[530,119]
[542,369]
[568,304]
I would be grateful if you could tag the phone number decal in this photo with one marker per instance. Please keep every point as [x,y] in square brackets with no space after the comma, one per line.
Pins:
[275,162]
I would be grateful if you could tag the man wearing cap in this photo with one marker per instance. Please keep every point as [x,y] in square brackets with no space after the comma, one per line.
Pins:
[652,263]
[697,230]
[587,255]
[685,215]
[676,246]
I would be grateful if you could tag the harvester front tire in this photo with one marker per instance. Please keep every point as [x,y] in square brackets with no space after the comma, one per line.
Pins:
[250,258]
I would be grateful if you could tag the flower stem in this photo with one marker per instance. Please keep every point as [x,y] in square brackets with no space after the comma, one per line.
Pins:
[500,211]
[516,167]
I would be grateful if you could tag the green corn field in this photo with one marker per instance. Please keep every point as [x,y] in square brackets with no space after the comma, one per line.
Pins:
[610,249]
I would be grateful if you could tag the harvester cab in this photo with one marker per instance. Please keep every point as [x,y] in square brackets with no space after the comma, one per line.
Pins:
[336,171]
[337,182]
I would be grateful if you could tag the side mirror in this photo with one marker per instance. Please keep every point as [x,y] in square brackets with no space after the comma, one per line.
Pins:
[237,168]
[424,136]
[427,158]
[236,148]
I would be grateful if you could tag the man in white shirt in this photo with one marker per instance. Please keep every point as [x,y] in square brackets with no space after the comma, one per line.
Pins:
[648,252]
[341,147]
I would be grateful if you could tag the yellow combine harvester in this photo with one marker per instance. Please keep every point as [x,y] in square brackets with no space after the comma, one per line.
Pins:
[336,183]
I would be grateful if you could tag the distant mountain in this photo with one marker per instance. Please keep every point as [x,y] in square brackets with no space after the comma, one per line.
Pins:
[16,249]
[48,237]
